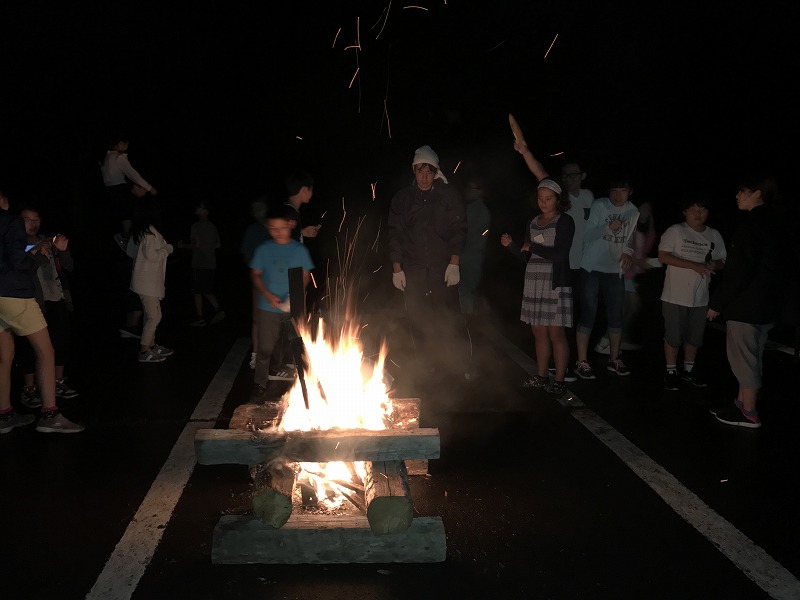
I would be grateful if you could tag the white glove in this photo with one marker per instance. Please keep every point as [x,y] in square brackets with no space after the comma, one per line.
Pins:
[452,275]
[399,280]
[285,306]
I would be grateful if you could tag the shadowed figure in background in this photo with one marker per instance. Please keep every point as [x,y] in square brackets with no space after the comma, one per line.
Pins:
[748,296]
[472,258]
[427,231]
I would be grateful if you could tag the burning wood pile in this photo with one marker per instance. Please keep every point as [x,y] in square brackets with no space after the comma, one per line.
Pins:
[330,466]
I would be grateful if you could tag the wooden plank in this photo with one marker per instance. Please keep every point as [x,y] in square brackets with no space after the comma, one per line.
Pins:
[388,497]
[405,415]
[228,446]
[307,539]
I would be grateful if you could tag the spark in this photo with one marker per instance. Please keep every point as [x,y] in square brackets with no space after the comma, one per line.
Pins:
[354,77]
[414,6]
[723,480]
[394,363]
[314,281]
[372,185]
[358,32]
[298,137]
[337,445]
[551,46]
[485,232]
[498,45]
[378,269]
[364,325]
[456,169]
[323,215]
[558,153]
[344,214]
[388,8]
[336,37]
[388,123]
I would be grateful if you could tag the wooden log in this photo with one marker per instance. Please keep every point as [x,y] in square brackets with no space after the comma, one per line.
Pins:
[227,446]
[312,539]
[388,496]
[273,486]
[251,417]
[404,415]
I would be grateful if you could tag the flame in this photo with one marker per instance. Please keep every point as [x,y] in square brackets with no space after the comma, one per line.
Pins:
[345,390]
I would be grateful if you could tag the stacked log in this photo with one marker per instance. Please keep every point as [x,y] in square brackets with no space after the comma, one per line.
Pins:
[388,497]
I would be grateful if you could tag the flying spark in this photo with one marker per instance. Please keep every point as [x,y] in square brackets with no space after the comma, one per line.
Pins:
[551,46]
[388,123]
[485,232]
[354,78]
[344,214]
[372,185]
[498,45]
[336,37]
[314,281]
[388,8]
[299,138]
[456,169]
[378,269]
[558,153]
[413,6]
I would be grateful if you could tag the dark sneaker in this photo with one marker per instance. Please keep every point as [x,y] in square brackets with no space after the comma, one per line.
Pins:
[63,390]
[30,397]
[161,351]
[53,421]
[149,356]
[584,371]
[556,388]
[537,381]
[618,367]
[732,415]
[259,394]
[671,380]
[12,420]
[694,378]
[285,373]
[569,376]
[199,322]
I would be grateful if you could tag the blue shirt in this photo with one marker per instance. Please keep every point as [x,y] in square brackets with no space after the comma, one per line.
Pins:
[274,261]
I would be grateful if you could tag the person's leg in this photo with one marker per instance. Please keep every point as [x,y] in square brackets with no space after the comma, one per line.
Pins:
[558,338]
[745,349]
[6,361]
[542,344]
[590,288]
[212,300]
[45,367]
[198,305]
[269,328]
[152,317]
[614,288]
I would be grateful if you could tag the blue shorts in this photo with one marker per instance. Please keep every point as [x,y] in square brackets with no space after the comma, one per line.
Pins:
[613,289]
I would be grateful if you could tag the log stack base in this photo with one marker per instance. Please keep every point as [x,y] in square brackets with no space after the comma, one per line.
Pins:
[387,533]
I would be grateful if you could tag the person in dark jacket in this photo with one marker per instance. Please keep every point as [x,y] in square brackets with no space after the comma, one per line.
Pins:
[20,314]
[748,297]
[427,231]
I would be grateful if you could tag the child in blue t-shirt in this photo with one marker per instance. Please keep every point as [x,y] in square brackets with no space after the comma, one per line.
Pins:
[269,272]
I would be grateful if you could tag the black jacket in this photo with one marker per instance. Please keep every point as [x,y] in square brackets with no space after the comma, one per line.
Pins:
[426,228]
[558,253]
[16,265]
[750,288]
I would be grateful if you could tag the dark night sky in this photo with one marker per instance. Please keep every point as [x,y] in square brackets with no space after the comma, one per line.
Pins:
[213,95]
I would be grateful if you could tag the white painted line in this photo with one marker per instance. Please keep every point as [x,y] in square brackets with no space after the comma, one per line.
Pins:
[749,557]
[135,550]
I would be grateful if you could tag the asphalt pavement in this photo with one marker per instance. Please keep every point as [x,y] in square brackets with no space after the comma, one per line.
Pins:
[620,489]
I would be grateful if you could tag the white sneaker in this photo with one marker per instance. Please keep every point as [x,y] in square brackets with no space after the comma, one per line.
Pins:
[54,422]
[285,373]
[161,351]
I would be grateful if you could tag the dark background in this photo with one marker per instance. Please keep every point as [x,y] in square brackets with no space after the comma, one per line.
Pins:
[215,97]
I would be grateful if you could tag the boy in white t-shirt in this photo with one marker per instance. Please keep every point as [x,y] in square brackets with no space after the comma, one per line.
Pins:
[692,252]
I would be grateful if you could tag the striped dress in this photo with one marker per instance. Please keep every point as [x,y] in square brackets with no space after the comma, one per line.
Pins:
[541,304]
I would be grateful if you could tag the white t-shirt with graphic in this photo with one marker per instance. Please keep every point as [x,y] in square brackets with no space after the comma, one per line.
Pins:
[579,211]
[602,248]
[686,287]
